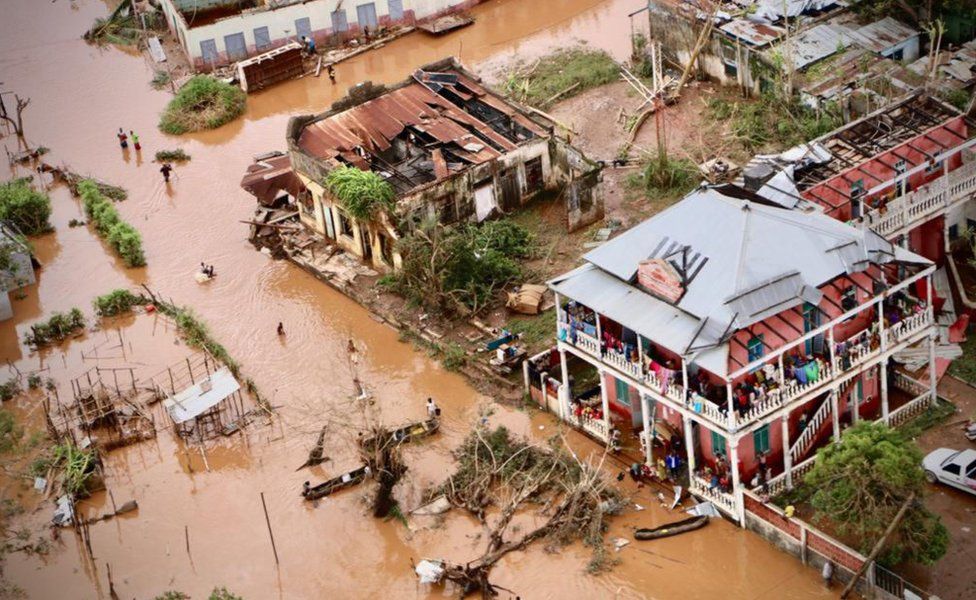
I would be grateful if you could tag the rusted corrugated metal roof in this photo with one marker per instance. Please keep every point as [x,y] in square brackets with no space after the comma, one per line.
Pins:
[265,179]
[753,33]
[882,35]
[372,125]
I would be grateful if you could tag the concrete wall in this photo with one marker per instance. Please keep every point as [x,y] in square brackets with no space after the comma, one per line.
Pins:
[280,22]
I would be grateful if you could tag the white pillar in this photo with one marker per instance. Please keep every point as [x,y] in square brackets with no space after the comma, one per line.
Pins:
[566,393]
[933,371]
[640,354]
[689,443]
[606,400]
[736,479]
[881,325]
[834,409]
[855,400]
[833,358]
[684,381]
[884,390]
[525,378]
[648,433]
[787,457]
[730,404]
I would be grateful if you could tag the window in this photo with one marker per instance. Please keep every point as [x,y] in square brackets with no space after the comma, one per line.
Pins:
[386,249]
[953,232]
[935,167]
[623,392]
[366,15]
[760,439]
[848,298]
[718,444]
[533,175]
[857,198]
[339,22]
[811,321]
[951,469]
[303,27]
[345,224]
[396,9]
[756,348]
[208,48]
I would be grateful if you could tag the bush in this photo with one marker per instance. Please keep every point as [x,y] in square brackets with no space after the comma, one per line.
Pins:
[361,193]
[203,103]
[116,302]
[122,237]
[556,73]
[177,155]
[9,389]
[670,176]
[454,357]
[27,209]
[10,432]
[57,328]
[773,121]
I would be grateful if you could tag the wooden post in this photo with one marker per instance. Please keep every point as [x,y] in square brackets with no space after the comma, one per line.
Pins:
[879,545]
[270,533]
[190,371]
[172,386]
[186,533]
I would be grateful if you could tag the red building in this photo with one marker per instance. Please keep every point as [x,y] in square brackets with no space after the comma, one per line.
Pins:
[745,329]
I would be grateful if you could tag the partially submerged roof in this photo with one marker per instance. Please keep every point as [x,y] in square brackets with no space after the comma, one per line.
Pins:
[774,10]
[201,397]
[394,133]
[741,261]
[883,35]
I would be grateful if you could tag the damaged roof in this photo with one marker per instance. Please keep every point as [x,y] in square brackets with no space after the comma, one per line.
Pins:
[748,259]
[882,35]
[447,111]
[267,177]
[753,33]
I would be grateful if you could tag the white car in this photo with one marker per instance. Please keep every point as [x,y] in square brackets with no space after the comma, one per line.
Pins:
[952,467]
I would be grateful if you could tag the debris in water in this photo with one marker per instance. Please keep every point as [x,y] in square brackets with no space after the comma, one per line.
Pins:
[619,543]
[430,571]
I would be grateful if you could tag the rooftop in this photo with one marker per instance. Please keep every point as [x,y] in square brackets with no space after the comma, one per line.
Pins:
[740,259]
[435,124]
[860,141]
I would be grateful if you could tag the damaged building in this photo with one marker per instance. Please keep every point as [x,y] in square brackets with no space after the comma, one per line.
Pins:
[749,47]
[450,148]
[214,33]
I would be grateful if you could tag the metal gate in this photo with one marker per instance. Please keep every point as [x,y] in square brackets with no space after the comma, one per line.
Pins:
[235,46]
[366,15]
[303,27]
[396,10]
[262,38]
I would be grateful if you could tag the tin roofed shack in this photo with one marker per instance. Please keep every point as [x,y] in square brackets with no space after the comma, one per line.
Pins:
[450,148]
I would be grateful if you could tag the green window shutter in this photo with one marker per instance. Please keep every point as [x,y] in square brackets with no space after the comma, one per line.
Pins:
[718,443]
[760,439]
[623,392]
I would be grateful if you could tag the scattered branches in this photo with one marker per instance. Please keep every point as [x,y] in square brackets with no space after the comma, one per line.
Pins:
[177,155]
[59,327]
[17,121]
[363,194]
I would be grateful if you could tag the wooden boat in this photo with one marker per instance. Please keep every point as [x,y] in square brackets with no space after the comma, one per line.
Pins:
[670,529]
[336,483]
[444,24]
[407,433]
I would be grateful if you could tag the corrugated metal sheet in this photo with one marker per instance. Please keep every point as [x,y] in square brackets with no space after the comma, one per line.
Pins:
[753,33]
[265,179]
[817,43]
[747,245]
[882,35]
[201,397]
[372,125]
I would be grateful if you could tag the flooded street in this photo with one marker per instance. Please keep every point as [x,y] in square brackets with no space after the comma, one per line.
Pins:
[80,96]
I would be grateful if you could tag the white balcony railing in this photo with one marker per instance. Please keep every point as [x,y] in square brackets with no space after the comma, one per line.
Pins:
[723,501]
[809,434]
[917,406]
[595,427]
[920,205]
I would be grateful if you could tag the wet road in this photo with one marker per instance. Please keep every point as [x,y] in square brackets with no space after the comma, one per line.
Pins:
[80,95]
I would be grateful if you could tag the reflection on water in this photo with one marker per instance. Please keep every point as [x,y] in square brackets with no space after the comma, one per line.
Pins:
[80,96]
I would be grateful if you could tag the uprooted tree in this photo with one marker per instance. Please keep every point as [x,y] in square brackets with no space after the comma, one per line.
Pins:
[499,475]
[862,483]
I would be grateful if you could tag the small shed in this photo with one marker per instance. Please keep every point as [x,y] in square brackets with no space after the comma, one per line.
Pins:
[889,38]
[198,407]
[271,67]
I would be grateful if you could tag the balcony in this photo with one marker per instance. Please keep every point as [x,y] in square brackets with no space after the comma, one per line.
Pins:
[725,502]
[919,206]
[776,384]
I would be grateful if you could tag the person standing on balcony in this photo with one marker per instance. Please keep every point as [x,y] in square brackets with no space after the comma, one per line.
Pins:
[803,421]
[673,463]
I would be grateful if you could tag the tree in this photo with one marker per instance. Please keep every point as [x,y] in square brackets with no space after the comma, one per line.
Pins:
[16,122]
[27,209]
[361,193]
[861,483]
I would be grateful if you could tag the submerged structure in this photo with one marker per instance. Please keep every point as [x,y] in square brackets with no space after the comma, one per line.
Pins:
[16,267]
[217,32]
[451,149]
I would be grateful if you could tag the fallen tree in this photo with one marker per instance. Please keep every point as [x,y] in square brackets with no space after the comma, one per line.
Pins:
[498,471]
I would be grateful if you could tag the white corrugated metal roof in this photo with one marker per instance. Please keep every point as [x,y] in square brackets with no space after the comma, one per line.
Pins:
[817,43]
[737,246]
[201,397]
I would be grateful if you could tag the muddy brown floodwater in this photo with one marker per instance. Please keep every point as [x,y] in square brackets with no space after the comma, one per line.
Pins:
[80,95]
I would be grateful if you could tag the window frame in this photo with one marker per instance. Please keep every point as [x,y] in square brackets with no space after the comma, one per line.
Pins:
[760,439]
[719,444]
